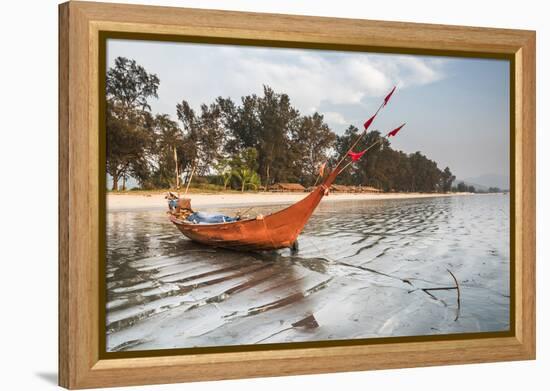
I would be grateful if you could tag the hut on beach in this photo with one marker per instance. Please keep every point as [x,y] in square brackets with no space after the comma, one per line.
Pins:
[369,189]
[354,189]
[341,188]
[291,187]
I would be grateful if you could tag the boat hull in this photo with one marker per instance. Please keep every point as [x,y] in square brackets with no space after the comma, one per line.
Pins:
[272,232]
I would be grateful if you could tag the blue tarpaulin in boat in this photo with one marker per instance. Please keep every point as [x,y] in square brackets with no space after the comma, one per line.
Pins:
[207,218]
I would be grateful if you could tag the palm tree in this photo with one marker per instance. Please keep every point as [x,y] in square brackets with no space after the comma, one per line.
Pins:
[224,170]
[169,140]
[247,177]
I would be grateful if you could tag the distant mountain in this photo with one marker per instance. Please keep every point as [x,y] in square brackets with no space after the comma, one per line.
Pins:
[477,186]
[489,180]
[484,182]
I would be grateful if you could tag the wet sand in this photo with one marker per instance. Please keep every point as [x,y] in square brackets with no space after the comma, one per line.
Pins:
[362,271]
[125,201]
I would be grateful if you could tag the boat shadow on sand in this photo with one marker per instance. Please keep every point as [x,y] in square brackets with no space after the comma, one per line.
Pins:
[194,295]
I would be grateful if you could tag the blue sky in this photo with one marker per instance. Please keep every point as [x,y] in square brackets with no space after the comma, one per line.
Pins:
[456,109]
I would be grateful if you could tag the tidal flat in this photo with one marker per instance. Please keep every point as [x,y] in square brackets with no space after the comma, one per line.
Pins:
[365,269]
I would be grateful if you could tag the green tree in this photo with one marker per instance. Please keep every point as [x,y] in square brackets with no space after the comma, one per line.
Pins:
[386,168]
[263,139]
[225,171]
[426,175]
[170,152]
[203,136]
[376,168]
[244,167]
[130,85]
[461,187]
[130,135]
[129,142]
[266,124]
[343,144]
[447,179]
[310,143]
[247,177]
[278,119]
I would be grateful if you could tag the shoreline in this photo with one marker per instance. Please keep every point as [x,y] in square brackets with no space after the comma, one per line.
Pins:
[133,202]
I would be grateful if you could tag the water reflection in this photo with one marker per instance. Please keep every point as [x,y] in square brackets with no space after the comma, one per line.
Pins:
[359,274]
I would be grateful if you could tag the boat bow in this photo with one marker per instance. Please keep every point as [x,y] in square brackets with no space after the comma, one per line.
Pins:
[271,232]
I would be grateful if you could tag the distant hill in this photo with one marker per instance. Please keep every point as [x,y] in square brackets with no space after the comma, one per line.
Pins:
[483,182]
[477,186]
[491,180]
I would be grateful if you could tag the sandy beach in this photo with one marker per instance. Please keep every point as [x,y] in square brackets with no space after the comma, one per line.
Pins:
[125,201]
[361,271]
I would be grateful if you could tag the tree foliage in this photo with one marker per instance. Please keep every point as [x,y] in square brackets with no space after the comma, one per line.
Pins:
[243,168]
[203,135]
[130,135]
[265,123]
[387,169]
[250,144]
[130,85]
[170,152]
[447,179]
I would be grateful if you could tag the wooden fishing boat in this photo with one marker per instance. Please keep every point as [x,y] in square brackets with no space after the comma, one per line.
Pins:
[274,231]
[280,229]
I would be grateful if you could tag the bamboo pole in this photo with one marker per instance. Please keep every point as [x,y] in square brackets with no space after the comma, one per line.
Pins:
[319,174]
[190,178]
[317,180]
[369,147]
[360,136]
[177,171]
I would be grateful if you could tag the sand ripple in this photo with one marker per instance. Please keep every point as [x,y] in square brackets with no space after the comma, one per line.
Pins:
[359,274]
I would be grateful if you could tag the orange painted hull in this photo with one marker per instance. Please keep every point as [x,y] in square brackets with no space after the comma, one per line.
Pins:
[275,231]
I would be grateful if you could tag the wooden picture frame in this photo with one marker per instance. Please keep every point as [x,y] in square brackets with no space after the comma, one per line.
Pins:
[81,364]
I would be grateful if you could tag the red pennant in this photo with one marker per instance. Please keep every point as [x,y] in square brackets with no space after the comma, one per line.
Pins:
[356,155]
[369,122]
[387,98]
[394,132]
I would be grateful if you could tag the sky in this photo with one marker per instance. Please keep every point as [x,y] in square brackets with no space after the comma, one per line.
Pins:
[456,109]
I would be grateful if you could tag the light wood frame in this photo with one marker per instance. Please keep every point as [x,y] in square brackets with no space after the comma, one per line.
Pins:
[80,24]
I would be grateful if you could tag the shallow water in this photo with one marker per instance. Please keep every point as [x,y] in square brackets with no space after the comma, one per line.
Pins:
[359,273]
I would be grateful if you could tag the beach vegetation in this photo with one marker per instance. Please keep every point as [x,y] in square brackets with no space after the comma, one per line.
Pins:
[249,144]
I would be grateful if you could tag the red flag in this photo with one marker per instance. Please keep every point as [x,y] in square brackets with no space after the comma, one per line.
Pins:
[356,155]
[394,132]
[369,122]
[387,98]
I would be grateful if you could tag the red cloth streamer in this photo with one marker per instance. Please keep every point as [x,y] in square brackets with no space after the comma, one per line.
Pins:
[387,98]
[356,155]
[369,122]
[394,132]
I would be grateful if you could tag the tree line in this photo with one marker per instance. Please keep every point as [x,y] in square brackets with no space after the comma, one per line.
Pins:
[463,187]
[249,144]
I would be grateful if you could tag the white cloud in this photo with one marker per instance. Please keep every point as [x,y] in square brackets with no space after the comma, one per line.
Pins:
[333,117]
[310,77]
[200,73]
[345,87]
